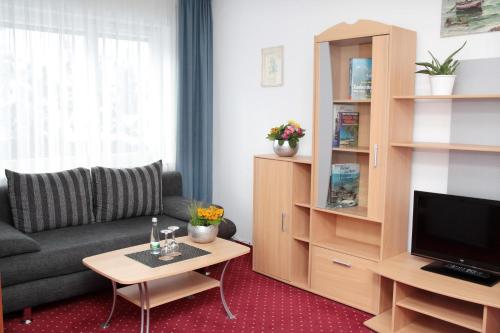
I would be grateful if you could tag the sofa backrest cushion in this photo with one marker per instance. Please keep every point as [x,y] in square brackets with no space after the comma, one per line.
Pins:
[123,193]
[47,201]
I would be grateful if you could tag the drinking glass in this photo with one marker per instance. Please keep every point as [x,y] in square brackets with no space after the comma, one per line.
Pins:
[175,245]
[166,250]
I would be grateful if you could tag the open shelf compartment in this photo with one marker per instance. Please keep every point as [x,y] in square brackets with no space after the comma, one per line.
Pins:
[300,268]
[348,235]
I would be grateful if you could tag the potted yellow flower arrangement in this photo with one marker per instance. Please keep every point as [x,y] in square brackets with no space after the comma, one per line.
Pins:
[204,223]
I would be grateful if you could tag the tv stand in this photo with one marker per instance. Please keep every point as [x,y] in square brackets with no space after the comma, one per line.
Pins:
[416,300]
[462,272]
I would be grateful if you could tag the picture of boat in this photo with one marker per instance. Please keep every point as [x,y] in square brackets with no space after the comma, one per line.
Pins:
[464,5]
[462,17]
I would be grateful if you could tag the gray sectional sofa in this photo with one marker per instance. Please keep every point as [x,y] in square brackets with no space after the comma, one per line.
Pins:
[46,266]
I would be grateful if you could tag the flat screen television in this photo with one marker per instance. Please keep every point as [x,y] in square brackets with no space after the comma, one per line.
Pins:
[461,233]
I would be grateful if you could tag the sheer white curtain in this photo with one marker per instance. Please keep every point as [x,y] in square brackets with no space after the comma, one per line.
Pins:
[87,82]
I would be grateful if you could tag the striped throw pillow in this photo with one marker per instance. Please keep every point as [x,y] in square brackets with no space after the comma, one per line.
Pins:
[123,193]
[50,200]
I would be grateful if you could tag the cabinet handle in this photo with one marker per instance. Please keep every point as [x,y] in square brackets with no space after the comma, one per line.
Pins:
[282,221]
[341,263]
[375,155]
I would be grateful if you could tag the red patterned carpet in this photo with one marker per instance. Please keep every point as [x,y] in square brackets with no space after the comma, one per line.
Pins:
[260,304]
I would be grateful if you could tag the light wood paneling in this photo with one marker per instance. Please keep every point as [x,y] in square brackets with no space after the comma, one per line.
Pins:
[345,278]
[359,29]
[378,127]
[491,320]
[301,178]
[300,223]
[406,269]
[294,159]
[117,267]
[351,101]
[381,323]
[170,289]
[423,324]
[360,149]
[272,217]
[300,258]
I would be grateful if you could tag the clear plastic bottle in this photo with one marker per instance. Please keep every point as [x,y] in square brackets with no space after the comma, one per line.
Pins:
[155,238]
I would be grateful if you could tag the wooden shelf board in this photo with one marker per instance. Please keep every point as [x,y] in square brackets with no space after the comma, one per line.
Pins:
[351,247]
[462,313]
[447,146]
[302,238]
[431,97]
[169,289]
[425,324]
[351,101]
[357,212]
[303,205]
[381,323]
[360,150]
[295,159]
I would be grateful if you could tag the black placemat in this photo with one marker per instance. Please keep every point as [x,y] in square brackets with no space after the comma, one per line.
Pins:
[148,259]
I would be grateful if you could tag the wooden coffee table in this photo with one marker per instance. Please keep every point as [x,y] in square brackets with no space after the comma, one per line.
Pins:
[148,287]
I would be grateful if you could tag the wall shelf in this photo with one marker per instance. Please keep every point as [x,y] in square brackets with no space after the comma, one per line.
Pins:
[303,205]
[447,146]
[430,97]
[302,238]
[360,150]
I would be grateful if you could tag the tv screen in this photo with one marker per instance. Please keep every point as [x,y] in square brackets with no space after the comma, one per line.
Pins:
[460,230]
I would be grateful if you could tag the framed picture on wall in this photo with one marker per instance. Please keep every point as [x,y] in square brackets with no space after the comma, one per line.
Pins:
[462,17]
[272,67]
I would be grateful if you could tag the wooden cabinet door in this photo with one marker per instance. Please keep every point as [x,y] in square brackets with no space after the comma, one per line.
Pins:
[272,217]
[378,126]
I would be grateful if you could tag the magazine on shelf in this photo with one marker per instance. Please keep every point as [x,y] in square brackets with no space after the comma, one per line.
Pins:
[337,110]
[344,185]
[348,129]
[360,75]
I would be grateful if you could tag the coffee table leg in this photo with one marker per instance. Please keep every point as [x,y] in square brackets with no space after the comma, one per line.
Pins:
[146,292]
[141,295]
[223,299]
[106,324]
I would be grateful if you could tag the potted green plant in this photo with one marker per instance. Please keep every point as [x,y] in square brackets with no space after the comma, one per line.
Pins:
[286,138]
[204,223]
[442,75]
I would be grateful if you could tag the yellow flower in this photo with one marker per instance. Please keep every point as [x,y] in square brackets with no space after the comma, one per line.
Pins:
[294,123]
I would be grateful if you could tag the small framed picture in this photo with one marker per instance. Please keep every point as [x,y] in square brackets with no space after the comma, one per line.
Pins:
[272,67]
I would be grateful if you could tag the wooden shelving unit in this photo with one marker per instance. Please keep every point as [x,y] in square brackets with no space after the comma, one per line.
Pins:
[428,302]
[431,97]
[447,146]
[297,238]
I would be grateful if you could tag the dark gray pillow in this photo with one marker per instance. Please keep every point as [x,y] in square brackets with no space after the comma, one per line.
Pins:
[13,242]
[50,200]
[177,207]
[122,193]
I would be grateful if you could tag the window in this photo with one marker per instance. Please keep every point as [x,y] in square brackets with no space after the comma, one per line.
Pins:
[90,83]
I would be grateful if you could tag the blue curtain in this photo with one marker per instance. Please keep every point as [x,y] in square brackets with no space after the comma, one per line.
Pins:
[194,139]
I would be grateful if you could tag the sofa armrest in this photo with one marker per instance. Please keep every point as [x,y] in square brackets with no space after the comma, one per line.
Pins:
[13,241]
[178,207]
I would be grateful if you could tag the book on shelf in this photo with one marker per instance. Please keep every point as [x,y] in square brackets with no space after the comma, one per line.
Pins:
[360,78]
[344,185]
[346,126]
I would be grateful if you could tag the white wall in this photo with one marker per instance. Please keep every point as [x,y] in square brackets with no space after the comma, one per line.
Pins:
[244,111]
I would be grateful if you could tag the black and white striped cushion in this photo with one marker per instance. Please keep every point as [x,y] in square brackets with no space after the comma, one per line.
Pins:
[122,193]
[50,200]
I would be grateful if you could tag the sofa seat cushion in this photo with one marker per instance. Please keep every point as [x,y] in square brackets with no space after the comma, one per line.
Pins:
[62,250]
[124,193]
[47,201]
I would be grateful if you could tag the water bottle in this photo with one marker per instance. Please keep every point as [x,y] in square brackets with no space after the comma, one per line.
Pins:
[155,238]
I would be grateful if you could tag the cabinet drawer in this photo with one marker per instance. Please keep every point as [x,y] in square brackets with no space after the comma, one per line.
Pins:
[345,278]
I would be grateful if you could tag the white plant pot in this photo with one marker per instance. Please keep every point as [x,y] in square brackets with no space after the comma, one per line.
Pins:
[442,84]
